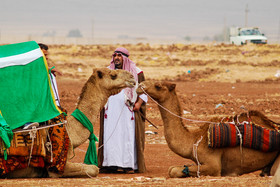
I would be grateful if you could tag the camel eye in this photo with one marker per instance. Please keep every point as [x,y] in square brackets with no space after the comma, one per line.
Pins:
[157,86]
[100,74]
[113,77]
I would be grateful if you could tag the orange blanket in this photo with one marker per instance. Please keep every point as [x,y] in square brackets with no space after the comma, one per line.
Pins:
[60,145]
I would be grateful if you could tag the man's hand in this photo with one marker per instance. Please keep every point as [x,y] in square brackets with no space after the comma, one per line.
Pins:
[137,105]
[55,72]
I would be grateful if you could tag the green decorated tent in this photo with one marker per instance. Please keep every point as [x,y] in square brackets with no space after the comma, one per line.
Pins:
[25,88]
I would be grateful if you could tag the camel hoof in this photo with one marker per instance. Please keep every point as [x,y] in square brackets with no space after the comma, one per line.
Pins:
[176,172]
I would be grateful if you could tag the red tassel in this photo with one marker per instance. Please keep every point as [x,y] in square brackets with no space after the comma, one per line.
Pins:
[105,116]
[132,118]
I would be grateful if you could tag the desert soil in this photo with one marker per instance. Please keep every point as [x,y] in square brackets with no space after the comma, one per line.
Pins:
[212,80]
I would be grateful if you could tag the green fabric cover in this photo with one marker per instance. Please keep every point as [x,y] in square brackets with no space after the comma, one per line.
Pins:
[91,155]
[26,94]
[6,134]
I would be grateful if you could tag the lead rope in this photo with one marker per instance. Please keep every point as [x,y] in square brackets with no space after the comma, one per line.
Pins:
[173,113]
[113,130]
[195,147]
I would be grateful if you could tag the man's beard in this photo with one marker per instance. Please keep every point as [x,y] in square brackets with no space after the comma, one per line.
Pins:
[118,64]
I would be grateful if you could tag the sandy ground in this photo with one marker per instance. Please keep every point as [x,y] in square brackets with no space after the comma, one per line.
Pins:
[212,80]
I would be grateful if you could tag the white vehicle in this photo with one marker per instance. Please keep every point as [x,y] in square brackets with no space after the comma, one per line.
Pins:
[241,36]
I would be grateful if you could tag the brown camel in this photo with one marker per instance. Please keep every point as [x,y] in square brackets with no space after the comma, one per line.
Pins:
[100,86]
[183,141]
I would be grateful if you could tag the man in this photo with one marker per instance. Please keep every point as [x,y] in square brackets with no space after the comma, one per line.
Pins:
[122,125]
[53,72]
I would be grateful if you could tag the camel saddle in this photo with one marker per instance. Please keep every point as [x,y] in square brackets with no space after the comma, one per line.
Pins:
[249,134]
[21,145]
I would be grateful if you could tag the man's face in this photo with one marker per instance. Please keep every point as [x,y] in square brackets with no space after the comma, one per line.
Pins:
[45,53]
[118,60]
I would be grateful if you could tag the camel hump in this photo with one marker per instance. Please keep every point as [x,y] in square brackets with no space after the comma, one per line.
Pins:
[260,119]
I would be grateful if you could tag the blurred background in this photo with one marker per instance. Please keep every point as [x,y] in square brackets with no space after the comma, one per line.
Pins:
[132,21]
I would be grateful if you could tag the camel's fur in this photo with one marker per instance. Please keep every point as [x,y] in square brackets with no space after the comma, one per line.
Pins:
[102,83]
[214,162]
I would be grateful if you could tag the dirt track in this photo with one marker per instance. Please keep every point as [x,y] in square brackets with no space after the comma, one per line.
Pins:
[212,80]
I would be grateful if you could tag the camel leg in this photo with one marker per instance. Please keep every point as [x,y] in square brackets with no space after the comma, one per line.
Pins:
[212,168]
[176,172]
[29,172]
[204,170]
[77,170]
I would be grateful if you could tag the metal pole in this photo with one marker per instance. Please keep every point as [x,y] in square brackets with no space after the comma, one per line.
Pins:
[246,15]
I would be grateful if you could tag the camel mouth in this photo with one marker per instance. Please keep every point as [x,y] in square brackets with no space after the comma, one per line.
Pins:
[130,83]
[140,89]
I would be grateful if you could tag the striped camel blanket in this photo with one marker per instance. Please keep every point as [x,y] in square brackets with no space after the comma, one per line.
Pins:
[253,136]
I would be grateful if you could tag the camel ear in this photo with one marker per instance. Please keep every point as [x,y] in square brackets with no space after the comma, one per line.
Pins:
[171,86]
[100,74]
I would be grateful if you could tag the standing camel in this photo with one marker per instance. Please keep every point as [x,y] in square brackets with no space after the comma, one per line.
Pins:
[228,161]
[100,86]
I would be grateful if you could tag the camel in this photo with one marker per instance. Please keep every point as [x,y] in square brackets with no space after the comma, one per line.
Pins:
[101,84]
[229,161]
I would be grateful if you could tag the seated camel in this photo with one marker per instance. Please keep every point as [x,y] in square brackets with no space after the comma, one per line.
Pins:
[193,144]
[100,86]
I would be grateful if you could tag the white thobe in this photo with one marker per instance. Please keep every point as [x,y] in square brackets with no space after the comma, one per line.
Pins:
[119,133]
[54,88]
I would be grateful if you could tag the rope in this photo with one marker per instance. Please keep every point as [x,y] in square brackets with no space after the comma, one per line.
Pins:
[173,113]
[195,146]
[32,134]
[49,147]
[83,165]
[113,130]
[39,128]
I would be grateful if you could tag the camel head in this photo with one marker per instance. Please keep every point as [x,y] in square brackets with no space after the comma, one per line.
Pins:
[112,80]
[158,90]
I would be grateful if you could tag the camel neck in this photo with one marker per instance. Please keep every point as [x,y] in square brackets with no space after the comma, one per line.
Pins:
[90,104]
[176,135]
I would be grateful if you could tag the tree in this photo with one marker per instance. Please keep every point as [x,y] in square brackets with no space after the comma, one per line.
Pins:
[187,38]
[75,33]
[206,38]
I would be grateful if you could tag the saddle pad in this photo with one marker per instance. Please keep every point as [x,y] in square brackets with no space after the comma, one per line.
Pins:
[253,136]
[21,144]
[259,138]
[222,135]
